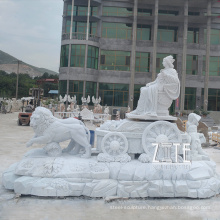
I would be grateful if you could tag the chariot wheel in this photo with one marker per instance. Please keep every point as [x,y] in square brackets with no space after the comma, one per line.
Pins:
[114,144]
[160,132]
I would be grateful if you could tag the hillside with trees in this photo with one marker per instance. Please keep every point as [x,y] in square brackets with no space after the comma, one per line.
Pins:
[25,82]
[9,64]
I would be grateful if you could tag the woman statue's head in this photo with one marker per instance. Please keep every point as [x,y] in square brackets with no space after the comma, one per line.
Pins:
[168,62]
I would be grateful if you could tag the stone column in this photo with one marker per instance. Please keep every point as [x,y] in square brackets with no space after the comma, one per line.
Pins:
[69,56]
[133,55]
[84,88]
[155,40]
[86,49]
[71,22]
[97,89]
[206,83]
[185,31]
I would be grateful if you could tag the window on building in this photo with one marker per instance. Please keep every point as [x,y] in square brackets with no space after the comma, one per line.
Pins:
[144,12]
[64,55]
[215,37]
[214,66]
[115,60]
[136,95]
[212,14]
[79,28]
[91,89]
[93,56]
[193,35]
[77,55]
[143,32]
[192,64]
[168,12]
[142,62]
[159,61]
[62,87]
[67,27]
[76,88]
[116,30]
[167,34]
[114,94]
[115,11]
[190,98]
[69,9]
[213,99]
[83,11]
[193,13]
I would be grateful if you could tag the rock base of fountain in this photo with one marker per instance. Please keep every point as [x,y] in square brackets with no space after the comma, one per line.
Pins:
[67,175]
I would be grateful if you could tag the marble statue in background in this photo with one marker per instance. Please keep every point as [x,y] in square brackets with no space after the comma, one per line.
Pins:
[196,139]
[51,131]
[106,110]
[157,96]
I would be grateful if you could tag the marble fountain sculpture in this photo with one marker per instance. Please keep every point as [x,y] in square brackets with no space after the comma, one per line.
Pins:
[144,155]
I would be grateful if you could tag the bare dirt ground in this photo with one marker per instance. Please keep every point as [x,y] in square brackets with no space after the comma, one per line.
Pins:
[12,147]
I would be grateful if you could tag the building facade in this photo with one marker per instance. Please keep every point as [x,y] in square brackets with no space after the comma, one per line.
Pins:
[111,48]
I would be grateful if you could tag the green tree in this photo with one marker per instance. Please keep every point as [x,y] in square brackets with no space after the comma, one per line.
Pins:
[8,84]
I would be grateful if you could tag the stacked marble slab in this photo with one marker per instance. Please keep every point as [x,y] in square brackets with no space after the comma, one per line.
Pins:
[67,175]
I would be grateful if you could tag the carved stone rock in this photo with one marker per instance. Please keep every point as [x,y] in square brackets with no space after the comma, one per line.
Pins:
[73,176]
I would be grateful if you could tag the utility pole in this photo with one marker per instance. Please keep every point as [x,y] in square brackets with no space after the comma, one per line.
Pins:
[17,80]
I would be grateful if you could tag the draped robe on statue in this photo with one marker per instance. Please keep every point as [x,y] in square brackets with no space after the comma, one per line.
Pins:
[168,82]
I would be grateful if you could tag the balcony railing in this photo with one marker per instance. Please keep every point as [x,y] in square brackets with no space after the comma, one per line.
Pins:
[80,36]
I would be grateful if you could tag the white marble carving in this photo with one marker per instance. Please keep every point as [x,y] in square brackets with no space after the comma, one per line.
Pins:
[96,101]
[160,132]
[106,110]
[87,114]
[114,148]
[86,101]
[67,98]
[157,96]
[162,169]
[196,139]
[51,131]
[73,176]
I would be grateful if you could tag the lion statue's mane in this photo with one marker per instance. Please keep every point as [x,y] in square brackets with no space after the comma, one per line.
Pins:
[45,120]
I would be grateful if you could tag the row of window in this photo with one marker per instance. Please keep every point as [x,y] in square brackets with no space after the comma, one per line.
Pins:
[122,12]
[120,60]
[111,94]
[124,31]
[213,99]
[117,94]
[109,60]
[77,58]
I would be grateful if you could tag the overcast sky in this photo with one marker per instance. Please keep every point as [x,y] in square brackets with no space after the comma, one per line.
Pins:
[30,30]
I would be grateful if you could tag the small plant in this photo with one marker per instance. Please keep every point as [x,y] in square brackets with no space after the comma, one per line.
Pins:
[197,111]
[47,102]
[204,113]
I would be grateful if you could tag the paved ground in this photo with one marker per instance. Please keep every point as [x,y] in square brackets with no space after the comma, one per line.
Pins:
[12,147]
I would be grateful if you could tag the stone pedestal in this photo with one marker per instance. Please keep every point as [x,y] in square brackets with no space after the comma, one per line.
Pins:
[67,175]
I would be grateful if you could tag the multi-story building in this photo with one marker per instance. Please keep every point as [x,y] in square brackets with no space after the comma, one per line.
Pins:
[111,48]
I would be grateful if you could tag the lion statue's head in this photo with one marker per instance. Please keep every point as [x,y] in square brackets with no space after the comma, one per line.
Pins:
[41,119]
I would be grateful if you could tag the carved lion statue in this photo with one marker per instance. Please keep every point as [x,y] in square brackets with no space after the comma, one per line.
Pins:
[51,131]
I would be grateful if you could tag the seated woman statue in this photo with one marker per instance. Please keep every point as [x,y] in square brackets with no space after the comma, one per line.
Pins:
[157,96]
